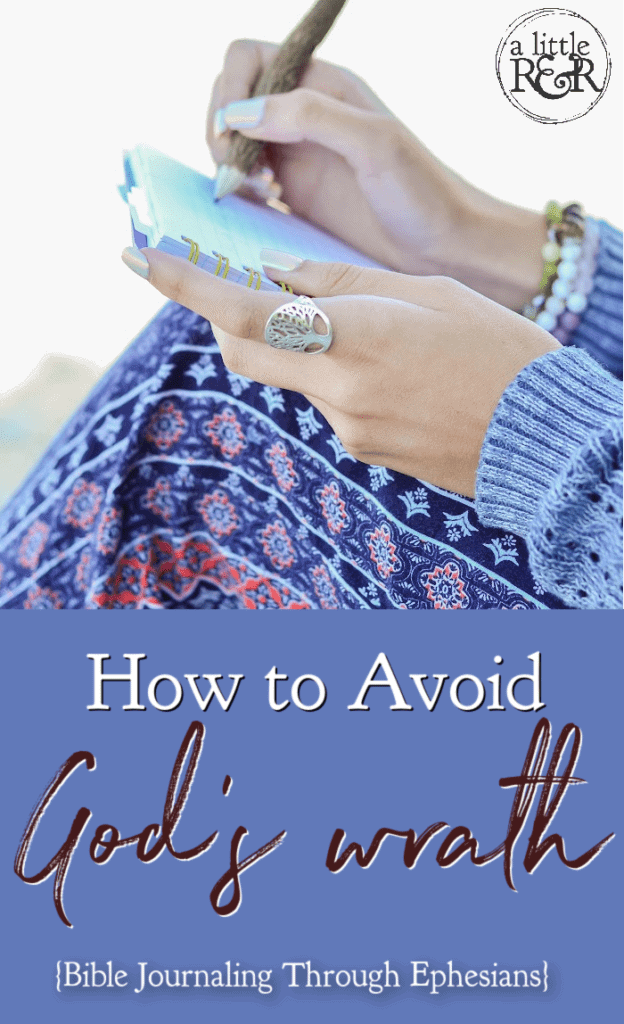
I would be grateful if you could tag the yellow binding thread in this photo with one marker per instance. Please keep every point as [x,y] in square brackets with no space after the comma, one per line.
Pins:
[193,255]
[251,281]
[223,262]
[286,287]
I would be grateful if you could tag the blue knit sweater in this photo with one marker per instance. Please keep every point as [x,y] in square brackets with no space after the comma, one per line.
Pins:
[551,463]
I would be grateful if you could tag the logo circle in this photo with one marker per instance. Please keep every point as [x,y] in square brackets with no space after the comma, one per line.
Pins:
[553,65]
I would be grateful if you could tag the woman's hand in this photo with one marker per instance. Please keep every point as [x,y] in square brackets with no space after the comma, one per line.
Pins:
[347,164]
[414,373]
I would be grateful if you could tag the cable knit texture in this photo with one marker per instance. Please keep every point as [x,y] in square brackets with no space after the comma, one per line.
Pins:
[551,464]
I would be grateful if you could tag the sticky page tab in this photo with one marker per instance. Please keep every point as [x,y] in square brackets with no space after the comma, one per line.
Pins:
[137,199]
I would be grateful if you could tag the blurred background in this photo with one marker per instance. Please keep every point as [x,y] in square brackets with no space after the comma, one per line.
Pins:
[81,82]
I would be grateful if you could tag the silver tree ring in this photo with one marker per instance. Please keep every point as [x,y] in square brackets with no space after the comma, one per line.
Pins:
[292,327]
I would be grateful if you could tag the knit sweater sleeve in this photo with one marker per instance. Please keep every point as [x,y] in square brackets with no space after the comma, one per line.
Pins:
[551,471]
[551,462]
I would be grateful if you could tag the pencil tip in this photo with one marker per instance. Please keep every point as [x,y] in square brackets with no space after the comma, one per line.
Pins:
[228,180]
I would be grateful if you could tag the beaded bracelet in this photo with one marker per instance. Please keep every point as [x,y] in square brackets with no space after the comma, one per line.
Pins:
[570,256]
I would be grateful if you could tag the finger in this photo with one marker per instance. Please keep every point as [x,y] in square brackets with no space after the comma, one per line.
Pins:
[327,279]
[364,138]
[244,61]
[258,361]
[360,325]
[216,139]
[242,313]
[237,310]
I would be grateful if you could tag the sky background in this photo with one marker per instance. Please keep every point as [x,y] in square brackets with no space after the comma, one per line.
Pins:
[83,81]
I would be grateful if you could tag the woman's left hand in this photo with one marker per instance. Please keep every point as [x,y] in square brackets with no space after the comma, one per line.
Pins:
[415,371]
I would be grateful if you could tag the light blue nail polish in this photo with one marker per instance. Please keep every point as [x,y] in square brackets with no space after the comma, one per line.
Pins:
[137,262]
[279,260]
[245,113]
[219,126]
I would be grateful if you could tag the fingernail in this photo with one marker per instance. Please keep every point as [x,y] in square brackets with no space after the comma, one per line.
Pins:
[273,259]
[244,113]
[219,126]
[137,262]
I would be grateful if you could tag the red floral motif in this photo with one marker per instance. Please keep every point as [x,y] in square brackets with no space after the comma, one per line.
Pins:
[325,589]
[33,544]
[42,599]
[263,594]
[82,571]
[128,584]
[83,504]
[218,513]
[333,507]
[445,587]
[158,499]
[382,550]
[166,426]
[276,545]
[225,432]
[176,567]
[281,466]
[109,531]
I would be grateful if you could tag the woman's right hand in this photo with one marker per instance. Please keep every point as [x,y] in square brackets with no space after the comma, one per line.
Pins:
[346,163]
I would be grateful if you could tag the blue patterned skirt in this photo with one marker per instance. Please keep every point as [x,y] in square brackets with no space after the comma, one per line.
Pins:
[179,484]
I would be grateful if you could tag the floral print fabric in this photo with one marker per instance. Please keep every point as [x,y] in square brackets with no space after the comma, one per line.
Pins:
[179,484]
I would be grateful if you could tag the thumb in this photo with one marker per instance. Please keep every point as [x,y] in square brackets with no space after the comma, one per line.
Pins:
[362,137]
